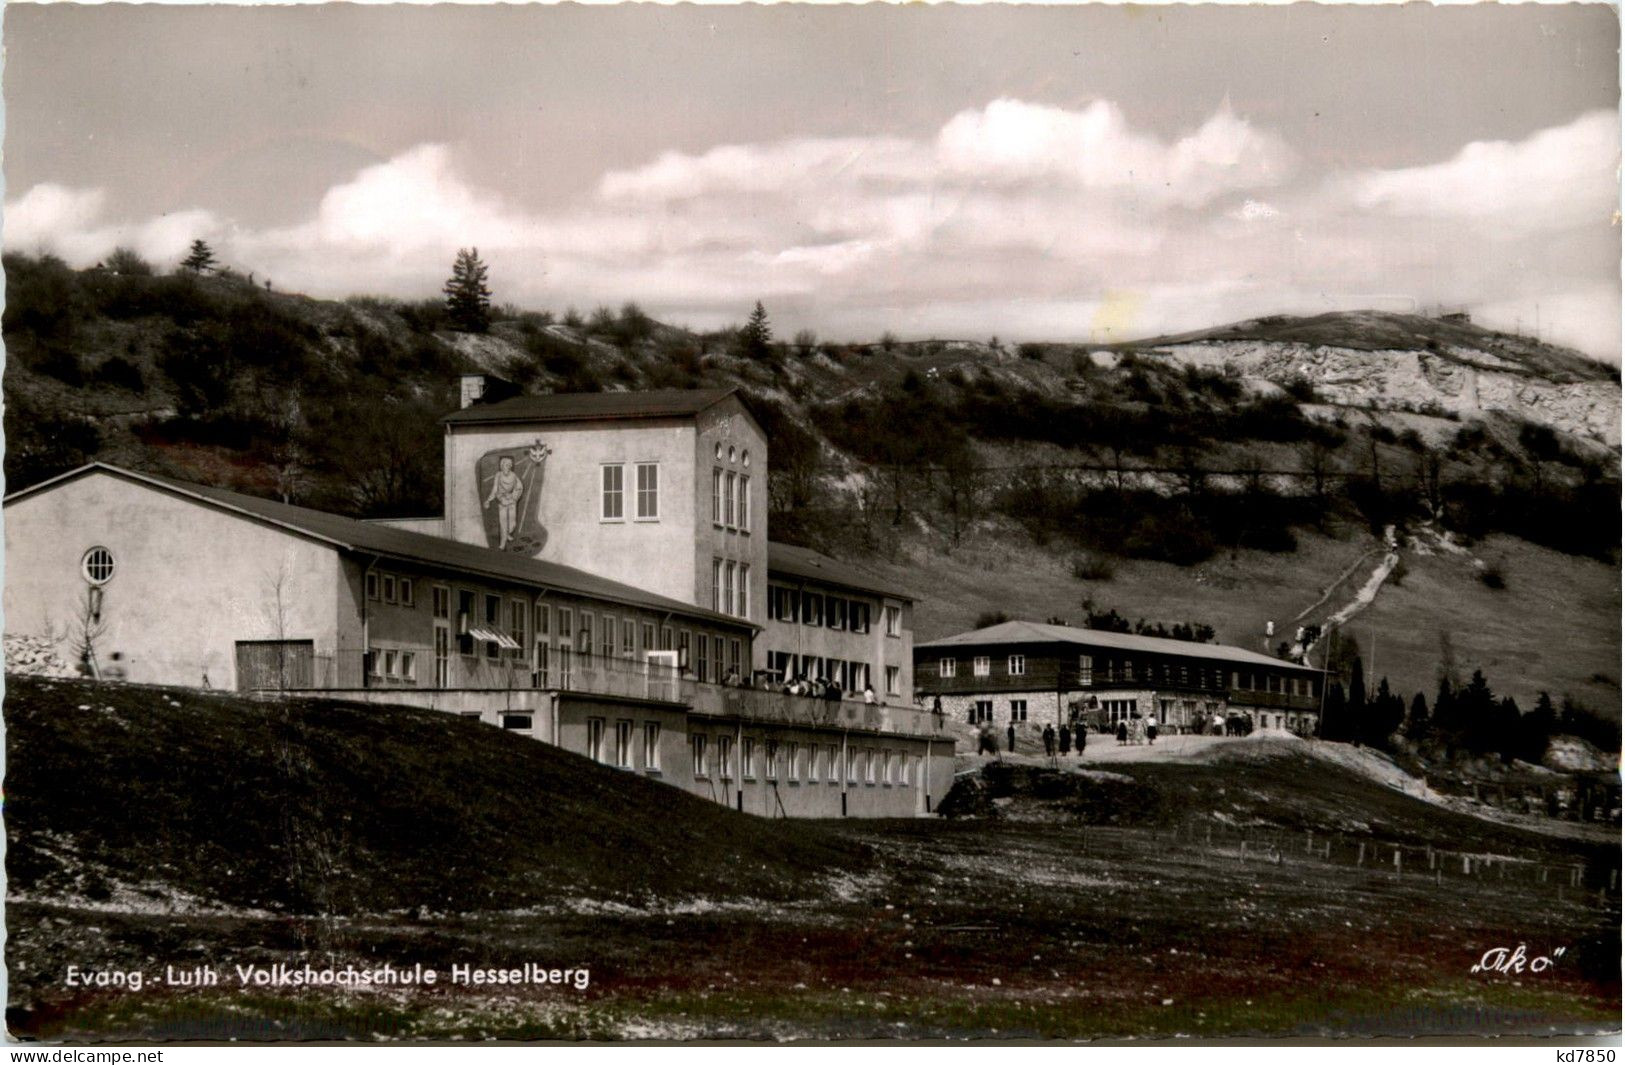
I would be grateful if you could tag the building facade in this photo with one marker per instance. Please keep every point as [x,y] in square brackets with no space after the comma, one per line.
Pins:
[827,619]
[485,611]
[1021,671]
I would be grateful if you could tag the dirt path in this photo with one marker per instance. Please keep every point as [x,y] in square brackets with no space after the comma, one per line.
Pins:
[1362,598]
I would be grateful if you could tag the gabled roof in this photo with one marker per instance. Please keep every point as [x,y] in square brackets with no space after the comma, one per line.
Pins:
[350,534]
[594,406]
[808,565]
[1031,632]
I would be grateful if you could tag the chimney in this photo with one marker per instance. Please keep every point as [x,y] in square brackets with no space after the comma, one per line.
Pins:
[484,388]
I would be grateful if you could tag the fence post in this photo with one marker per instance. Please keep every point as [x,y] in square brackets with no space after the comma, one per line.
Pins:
[1309,842]
[1359,859]
[1396,861]
[1242,854]
[1466,865]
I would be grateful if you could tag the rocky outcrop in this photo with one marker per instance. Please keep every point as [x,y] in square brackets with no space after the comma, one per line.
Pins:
[1458,381]
[35,656]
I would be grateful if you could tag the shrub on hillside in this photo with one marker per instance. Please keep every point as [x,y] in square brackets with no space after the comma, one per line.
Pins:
[1093,566]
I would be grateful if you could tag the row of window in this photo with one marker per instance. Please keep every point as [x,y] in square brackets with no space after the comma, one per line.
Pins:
[646,501]
[390,588]
[730,500]
[389,663]
[1092,670]
[829,611]
[848,676]
[982,710]
[620,748]
[730,587]
[982,666]
[796,762]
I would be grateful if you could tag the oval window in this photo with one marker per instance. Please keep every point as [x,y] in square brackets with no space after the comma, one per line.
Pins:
[98,565]
[744,456]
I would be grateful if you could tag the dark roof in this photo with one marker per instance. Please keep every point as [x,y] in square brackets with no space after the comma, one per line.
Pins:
[592,406]
[1031,632]
[354,535]
[808,565]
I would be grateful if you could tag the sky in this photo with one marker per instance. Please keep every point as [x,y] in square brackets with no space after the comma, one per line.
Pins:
[1087,173]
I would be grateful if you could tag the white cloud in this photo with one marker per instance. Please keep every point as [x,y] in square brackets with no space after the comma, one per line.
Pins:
[1014,218]
[1559,177]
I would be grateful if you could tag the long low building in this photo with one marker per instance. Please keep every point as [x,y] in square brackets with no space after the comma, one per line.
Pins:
[1020,671]
[647,655]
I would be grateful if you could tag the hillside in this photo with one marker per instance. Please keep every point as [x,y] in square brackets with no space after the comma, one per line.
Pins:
[1228,476]
[162,799]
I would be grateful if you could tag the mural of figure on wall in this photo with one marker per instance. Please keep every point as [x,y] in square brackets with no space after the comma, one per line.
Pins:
[510,486]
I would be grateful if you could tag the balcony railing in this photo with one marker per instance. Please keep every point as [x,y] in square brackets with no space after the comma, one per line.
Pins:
[627,678]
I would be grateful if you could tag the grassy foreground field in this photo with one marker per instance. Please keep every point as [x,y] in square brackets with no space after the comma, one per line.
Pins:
[1033,923]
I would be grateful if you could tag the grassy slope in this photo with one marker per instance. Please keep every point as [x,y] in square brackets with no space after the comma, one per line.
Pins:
[343,808]
[1555,626]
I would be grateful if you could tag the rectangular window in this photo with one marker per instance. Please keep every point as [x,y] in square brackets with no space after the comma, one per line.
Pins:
[517,722]
[584,640]
[648,491]
[742,504]
[719,604]
[725,763]
[1018,709]
[518,614]
[665,638]
[716,496]
[869,765]
[614,494]
[372,586]
[651,745]
[493,622]
[832,764]
[815,761]
[894,621]
[982,711]
[859,619]
[544,619]
[389,663]
[894,680]
[409,667]
[772,761]
[629,638]
[812,608]
[649,639]
[407,598]
[851,765]
[728,498]
[702,658]
[595,738]
[835,613]
[945,667]
[735,651]
[1086,671]
[980,666]
[623,744]
[442,601]
[728,571]
[743,598]
[1018,665]
[389,587]
[747,760]
[902,768]
[696,745]
[859,672]
[606,636]
[682,650]
[886,768]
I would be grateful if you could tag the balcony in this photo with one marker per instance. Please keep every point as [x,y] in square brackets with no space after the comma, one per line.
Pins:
[623,678]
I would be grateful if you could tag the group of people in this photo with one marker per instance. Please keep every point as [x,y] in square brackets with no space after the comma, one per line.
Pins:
[1062,739]
[1136,730]
[815,688]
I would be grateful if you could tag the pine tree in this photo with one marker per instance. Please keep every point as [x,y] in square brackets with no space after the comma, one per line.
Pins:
[468,301]
[1418,724]
[1357,707]
[1333,723]
[200,258]
[756,338]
